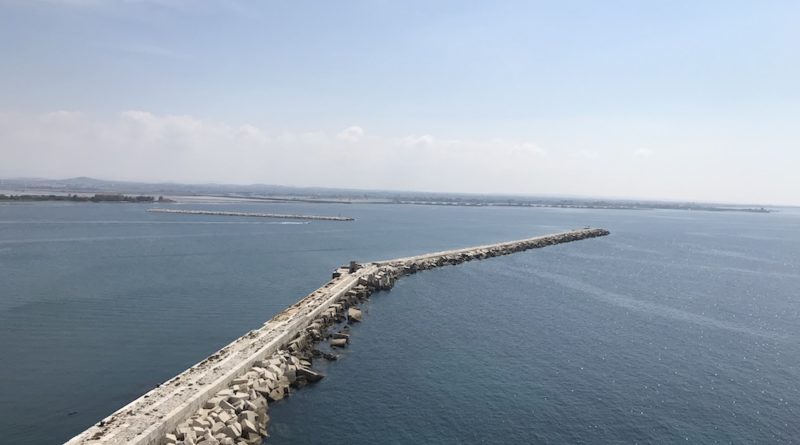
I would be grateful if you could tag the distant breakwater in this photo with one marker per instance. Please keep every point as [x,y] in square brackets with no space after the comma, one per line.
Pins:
[250,214]
[223,400]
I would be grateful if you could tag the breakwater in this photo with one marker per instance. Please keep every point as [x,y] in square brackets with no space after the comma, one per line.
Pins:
[224,398]
[251,214]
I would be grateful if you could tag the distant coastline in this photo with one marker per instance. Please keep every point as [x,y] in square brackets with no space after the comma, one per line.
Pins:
[33,189]
[599,205]
[251,214]
[98,197]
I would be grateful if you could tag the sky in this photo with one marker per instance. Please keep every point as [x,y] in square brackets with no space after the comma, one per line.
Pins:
[677,100]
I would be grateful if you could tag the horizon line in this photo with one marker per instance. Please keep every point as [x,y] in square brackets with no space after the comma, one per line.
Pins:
[396,191]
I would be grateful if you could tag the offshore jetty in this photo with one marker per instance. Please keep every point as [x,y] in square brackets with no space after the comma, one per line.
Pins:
[223,400]
[257,215]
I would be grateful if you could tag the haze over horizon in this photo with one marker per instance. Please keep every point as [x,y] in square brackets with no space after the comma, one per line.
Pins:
[668,101]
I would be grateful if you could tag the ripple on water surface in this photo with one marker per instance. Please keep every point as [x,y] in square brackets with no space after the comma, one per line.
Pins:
[679,326]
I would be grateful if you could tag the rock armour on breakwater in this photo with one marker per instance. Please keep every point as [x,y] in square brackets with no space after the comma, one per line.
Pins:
[223,400]
[250,214]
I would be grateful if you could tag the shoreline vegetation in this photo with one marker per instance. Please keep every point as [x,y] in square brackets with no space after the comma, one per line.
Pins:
[98,197]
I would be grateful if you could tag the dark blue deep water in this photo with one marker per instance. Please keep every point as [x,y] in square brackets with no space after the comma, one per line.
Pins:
[679,327]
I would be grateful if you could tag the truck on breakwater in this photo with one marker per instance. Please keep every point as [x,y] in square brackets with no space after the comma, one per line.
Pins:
[223,400]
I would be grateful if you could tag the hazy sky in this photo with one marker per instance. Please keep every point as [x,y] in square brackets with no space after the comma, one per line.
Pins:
[695,100]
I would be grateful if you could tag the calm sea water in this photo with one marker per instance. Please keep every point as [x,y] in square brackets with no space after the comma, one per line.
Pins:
[680,326]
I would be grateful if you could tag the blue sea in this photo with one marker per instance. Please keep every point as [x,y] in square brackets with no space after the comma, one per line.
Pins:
[679,327]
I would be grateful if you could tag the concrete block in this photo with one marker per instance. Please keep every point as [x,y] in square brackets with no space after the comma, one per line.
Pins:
[247,415]
[212,402]
[183,430]
[338,342]
[209,439]
[354,314]
[263,389]
[225,405]
[291,374]
[260,403]
[237,405]
[224,417]
[309,375]
[217,428]
[238,396]
[276,394]
[233,430]
[249,426]
[249,406]
[253,439]
[276,370]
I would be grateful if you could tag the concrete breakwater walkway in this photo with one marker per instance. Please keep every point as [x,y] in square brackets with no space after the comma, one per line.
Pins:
[223,399]
[257,215]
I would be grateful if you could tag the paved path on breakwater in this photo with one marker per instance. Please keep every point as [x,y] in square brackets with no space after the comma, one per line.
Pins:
[250,214]
[153,417]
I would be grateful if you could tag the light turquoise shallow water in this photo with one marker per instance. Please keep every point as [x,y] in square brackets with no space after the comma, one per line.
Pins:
[679,326]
